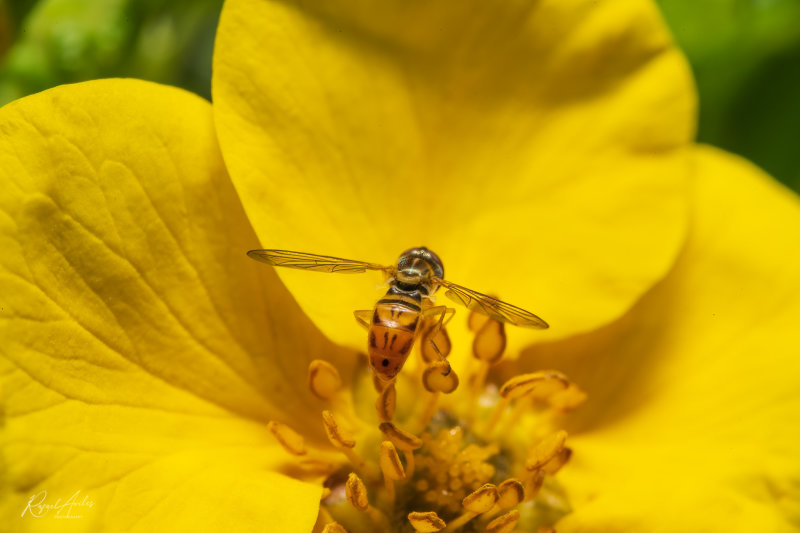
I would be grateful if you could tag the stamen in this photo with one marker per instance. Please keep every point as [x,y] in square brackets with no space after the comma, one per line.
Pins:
[476,320]
[542,383]
[341,440]
[323,379]
[356,493]
[488,348]
[316,466]
[400,438]
[386,403]
[291,441]
[481,500]
[427,522]
[524,384]
[568,399]
[510,493]
[533,482]
[333,527]
[391,467]
[490,342]
[504,523]
[437,378]
[475,503]
[403,440]
[335,434]
[442,341]
[546,450]
[555,464]
[521,406]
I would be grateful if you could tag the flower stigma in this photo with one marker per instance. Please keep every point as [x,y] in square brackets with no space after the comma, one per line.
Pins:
[476,457]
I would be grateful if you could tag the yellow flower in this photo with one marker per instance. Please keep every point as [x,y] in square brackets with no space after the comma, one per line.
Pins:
[154,378]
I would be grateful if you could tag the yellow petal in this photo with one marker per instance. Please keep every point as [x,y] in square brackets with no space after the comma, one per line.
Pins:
[691,422]
[537,147]
[184,492]
[132,324]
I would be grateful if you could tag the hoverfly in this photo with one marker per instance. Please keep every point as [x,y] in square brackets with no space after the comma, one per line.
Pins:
[394,323]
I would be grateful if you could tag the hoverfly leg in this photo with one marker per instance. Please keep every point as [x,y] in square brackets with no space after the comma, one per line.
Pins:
[364,317]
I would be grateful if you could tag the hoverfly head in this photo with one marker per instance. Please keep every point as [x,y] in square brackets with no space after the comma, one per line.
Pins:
[416,269]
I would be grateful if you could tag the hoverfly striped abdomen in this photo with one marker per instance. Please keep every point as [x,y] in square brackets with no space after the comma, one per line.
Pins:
[392,333]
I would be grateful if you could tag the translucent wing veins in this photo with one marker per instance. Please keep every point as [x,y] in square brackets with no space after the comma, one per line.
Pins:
[317,263]
[492,307]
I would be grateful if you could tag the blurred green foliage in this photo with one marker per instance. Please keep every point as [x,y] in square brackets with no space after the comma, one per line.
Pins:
[745,55]
[64,41]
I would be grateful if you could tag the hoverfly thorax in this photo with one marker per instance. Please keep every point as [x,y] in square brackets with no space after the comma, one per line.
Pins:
[416,270]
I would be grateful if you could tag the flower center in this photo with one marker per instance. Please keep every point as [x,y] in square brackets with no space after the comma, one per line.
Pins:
[482,462]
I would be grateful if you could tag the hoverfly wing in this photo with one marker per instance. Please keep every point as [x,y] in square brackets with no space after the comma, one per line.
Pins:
[318,263]
[491,307]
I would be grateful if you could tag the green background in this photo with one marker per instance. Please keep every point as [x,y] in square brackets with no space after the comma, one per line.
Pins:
[745,55]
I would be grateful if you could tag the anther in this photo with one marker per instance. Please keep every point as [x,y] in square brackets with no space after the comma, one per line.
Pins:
[504,523]
[291,441]
[521,385]
[490,342]
[436,348]
[386,403]
[488,347]
[549,448]
[390,463]
[568,399]
[481,500]
[335,434]
[518,387]
[427,522]
[476,320]
[533,482]
[510,493]
[343,441]
[399,437]
[391,467]
[439,377]
[555,464]
[356,492]
[333,527]
[403,440]
[475,503]
[323,379]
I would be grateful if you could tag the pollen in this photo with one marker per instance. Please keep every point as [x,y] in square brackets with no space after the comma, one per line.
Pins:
[452,469]
[436,454]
